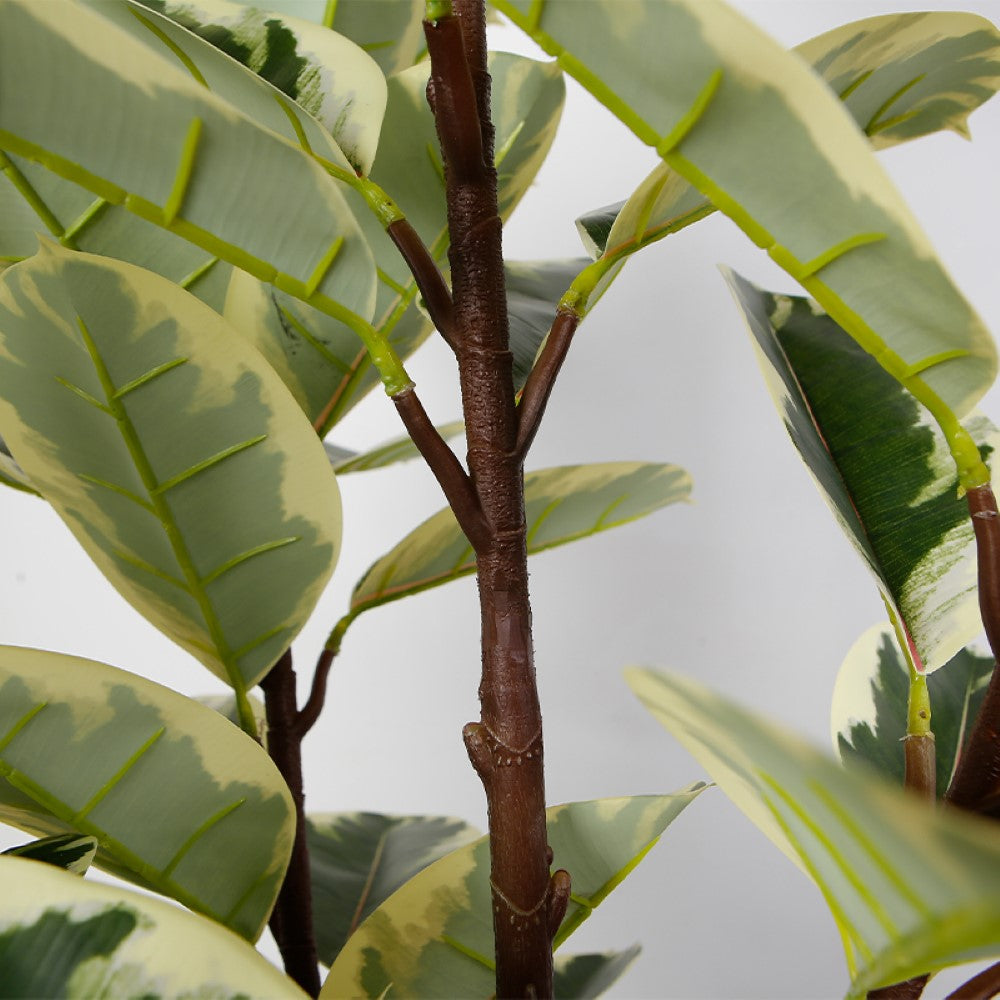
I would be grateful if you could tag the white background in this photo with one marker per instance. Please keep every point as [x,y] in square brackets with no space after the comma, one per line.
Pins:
[751,588]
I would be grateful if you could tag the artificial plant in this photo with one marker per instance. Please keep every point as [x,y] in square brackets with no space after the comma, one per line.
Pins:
[330,209]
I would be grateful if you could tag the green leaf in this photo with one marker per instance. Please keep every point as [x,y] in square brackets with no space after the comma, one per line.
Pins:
[911,890]
[750,126]
[401,449]
[62,936]
[391,31]
[358,860]
[434,937]
[73,852]
[882,466]
[179,799]
[534,289]
[320,357]
[868,715]
[323,72]
[585,976]
[11,474]
[227,706]
[172,451]
[562,504]
[174,153]
[900,76]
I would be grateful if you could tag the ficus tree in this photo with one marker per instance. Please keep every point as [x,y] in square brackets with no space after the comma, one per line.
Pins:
[220,230]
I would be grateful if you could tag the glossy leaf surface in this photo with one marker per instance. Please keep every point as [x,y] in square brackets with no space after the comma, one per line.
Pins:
[434,937]
[868,715]
[900,76]
[911,890]
[174,153]
[172,451]
[320,70]
[72,852]
[750,126]
[62,936]
[358,860]
[881,464]
[562,504]
[180,800]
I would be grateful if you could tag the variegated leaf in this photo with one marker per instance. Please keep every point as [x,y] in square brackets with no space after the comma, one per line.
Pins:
[174,154]
[750,126]
[401,449]
[321,358]
[584,977]
[72,852]
[562,504]
[869,710]
[434,936]
[358,860]
[901,76]
[178,798]
[880,463]
[172,451]
[911,890]
[320,70]
[391,31]
[62,936]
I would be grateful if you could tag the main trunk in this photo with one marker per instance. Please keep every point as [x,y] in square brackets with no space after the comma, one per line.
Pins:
[506,744]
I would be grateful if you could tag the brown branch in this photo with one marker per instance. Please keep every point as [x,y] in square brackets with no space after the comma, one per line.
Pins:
[447,469]
[292,920]
[980,987]
[310,711]
[541,380]
[505,746]
[453,99]
[986,525]
[430,280]
[910,990]
[920,765]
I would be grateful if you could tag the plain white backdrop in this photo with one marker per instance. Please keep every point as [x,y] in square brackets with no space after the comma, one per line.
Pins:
[751,587]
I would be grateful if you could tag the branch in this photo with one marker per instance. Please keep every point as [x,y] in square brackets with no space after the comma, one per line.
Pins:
[910,990]
[981,987]
[292,920]
[430,280]
[986,525]
[541,380]
[448,471]
[453,99]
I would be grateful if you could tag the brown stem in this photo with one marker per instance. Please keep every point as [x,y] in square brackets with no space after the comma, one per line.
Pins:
[430,280]
[910,990]
[920,765]
[307,716]
[505,746]
[979,987]
[447,469]
[986,525]
[291,921]
[538,388]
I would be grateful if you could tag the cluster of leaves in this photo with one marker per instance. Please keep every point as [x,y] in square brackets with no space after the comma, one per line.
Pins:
[216,291]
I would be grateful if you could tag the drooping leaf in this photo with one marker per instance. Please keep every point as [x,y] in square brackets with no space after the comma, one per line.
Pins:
[179,799]
[391,31]
[62,936]
[358,860]
[583,977]
[400,449]
[750,126]
[900,76]
[73,852]
[868,715]
[562,504]
[881,464]
[911,890]
[320,70]
[173,153]
[172,451]
[321,358]
[434,936]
